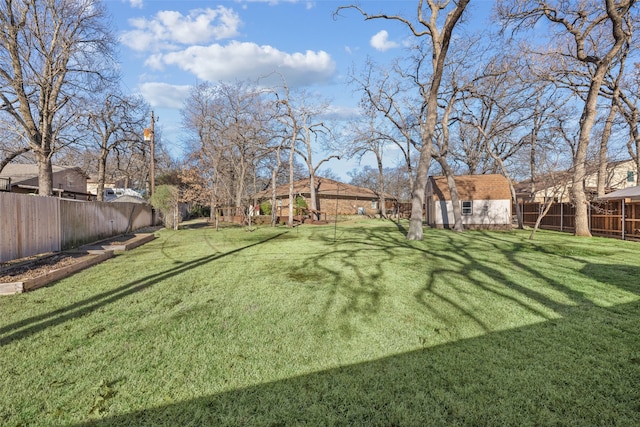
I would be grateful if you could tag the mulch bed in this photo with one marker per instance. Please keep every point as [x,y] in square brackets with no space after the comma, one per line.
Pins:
[30,268]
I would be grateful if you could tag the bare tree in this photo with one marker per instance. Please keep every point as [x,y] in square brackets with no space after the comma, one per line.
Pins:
[314,133]
[386,95]
[426,24]
[368,137]
[114,122]
[230,134]
[586,25]
[301,129]
[50,52]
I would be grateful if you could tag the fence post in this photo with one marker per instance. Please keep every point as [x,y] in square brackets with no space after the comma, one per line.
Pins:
[590,225]
[624,224]
[561,216]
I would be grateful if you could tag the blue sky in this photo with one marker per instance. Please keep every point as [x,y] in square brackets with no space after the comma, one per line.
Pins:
[168,46]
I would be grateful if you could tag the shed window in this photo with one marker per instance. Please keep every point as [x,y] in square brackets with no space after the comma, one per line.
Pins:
[374,204]
[630,176]
[467,207]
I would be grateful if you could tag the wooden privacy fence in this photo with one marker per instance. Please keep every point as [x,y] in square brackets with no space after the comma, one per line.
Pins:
[31,225]
[605,218]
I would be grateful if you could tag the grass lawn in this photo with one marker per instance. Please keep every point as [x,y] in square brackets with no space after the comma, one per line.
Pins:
[318,325]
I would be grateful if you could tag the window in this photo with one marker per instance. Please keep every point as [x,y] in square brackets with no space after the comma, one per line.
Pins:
[467,207]
[374,204]
[630,176]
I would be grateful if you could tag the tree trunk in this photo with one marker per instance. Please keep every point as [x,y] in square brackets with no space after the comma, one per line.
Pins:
[274,213]
[589,116]
[313,203]
[440,45]
[417,195]
[602,154]
[580,162]
[383,202]
[291,176]
[453,191]
[547,205]
[532,162]
[45,174]
[102,172]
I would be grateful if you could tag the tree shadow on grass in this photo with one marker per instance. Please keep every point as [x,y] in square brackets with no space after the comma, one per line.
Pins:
[622,276]
[579,370]
[458,278]
[27,327]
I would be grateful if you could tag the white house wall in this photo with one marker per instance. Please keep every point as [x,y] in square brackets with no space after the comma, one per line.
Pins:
[485,213]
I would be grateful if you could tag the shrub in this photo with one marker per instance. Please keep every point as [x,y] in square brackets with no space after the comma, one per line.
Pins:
[265,208]
[165,199]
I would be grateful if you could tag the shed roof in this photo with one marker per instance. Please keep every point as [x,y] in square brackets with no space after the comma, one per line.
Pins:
[324,187]
[19,172]
[625,193]
[472,187]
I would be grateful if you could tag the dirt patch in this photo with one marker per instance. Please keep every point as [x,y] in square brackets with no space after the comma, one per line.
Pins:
[36,267]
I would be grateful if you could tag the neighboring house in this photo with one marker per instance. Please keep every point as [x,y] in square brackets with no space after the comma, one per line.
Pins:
[68,183]
[332,197]
[485,202]
[620,174]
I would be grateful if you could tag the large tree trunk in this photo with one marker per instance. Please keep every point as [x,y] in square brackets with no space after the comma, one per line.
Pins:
[440,44]
[580,161]
[589,117]
[417,194]
[102,173]
[45,174]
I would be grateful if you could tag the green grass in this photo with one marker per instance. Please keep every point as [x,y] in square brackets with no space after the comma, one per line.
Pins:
[323,326]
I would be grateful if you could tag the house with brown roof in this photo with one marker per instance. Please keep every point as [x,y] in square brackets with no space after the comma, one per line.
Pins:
[485,202]
[557,185]
[332,197]
[67,182]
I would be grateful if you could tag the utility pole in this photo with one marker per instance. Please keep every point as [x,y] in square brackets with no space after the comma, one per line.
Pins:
[152,169]
[149,135]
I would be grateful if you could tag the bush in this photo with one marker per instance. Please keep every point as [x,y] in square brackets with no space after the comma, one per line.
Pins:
[165,199]
[199,211]
[265,208]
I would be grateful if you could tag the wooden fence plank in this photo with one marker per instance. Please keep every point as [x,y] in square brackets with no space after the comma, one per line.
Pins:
[605,219]
[31,225]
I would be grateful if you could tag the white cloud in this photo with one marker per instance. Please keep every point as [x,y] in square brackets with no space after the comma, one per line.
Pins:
[248,61]
[381,42]
[164,95]
[170,29]
[135,3]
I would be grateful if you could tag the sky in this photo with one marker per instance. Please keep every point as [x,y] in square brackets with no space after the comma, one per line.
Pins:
[166,47]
